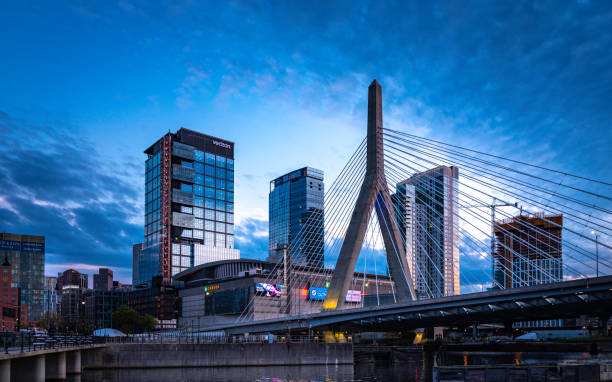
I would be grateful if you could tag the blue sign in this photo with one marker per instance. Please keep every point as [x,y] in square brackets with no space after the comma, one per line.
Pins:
[317,293]
[33,247]
[11,245]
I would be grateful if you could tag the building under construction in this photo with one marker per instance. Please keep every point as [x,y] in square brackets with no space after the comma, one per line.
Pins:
[528,251]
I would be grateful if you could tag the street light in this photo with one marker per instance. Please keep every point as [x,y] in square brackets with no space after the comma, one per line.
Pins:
[596,251]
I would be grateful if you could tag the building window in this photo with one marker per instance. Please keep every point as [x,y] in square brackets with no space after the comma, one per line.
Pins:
[221,173]
[230,164]
[220,205]
[210,158]
[210,170]
[199,155]
[199,168]
[198,190]
[210,181]
[220,161]
[220,227]
[210,192]
[221,184]
[220,194]
[186,187]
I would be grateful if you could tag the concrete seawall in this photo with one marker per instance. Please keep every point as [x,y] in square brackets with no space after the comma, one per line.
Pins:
[217,355]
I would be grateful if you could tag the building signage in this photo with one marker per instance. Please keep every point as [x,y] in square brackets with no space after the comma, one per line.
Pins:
[222,144]
[11,245]
[210,288]
[317,293]
[268,289]
[353,296]
[33,247]
[320,293]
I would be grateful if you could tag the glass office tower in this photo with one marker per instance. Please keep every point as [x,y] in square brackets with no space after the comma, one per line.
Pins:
[427,212]
[189,205]
[26,254]
[297,217]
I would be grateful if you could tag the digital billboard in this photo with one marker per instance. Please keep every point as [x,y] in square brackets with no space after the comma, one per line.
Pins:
[317,293]
[353,296]
[267,289]
[320,293]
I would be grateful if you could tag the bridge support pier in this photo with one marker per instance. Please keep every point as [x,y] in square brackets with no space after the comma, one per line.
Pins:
[55,366]
[475,330]
[30,369]
[603,325]
[5,370]
[508,329]
[73,362]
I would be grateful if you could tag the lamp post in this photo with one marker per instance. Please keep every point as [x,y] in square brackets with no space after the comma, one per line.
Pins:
[596,252]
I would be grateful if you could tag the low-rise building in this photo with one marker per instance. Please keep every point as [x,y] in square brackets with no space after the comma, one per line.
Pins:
[222,291]
[158,300]
[99,306]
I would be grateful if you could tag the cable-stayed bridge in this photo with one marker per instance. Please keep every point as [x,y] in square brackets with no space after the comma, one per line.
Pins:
[419,233]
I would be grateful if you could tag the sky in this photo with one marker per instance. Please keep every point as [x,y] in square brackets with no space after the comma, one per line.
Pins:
[86,86]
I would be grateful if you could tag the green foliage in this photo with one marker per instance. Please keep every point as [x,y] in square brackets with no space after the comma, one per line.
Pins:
[147,323]
[52,321]
[125,319]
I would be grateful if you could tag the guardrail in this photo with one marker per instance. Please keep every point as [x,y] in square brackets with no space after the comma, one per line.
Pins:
[26,342]
[203,338]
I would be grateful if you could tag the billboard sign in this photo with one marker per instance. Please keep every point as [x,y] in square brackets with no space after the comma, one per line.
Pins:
[317,293]
[353,296]
[267,289]
[320,293]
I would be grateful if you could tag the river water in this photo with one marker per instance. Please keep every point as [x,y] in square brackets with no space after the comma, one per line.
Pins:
[410,370]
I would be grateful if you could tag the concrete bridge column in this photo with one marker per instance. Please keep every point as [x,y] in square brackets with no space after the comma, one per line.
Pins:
[603,325]
[55,366]
[31,369]
[73,362]
[5,370]
[508,329]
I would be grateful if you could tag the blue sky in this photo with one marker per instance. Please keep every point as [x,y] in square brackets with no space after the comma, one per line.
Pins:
[87,86]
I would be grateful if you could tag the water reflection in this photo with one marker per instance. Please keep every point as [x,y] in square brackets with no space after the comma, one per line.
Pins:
[251,374]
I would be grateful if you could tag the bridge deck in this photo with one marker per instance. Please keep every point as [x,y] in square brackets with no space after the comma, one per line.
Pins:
[569,299]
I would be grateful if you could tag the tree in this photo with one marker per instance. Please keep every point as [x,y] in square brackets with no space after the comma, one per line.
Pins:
[125,318]
[147,322]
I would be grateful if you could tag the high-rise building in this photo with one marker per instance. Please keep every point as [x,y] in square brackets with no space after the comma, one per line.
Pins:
[189,204]
[528,251]
[26,254]
[136,259]
[50,296]
[427,212]
[9,298]
[71,277]
[103,280]
[296,222]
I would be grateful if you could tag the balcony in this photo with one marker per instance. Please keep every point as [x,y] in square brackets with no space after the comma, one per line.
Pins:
[182,220]
[183,173]
[183,150]
[182,197]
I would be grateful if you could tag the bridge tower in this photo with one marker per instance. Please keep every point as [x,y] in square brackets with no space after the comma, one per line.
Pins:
[374,193]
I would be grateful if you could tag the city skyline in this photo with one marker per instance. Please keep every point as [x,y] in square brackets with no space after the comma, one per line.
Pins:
[76,164]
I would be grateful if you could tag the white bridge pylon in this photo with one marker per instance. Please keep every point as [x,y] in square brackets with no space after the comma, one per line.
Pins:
[374,193]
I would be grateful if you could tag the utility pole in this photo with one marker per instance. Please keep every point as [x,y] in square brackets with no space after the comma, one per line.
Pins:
[596,252]
[493,206]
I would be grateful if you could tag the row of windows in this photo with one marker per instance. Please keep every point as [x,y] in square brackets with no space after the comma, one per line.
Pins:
[208,192]
[215,160]
[208,214]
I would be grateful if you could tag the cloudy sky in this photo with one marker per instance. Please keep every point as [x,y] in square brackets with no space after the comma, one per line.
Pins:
[87,86]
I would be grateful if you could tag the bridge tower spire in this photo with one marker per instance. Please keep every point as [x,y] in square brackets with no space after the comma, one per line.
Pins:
[374,193]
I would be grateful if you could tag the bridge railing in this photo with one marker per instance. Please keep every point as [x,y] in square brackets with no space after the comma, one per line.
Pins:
[22,342]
